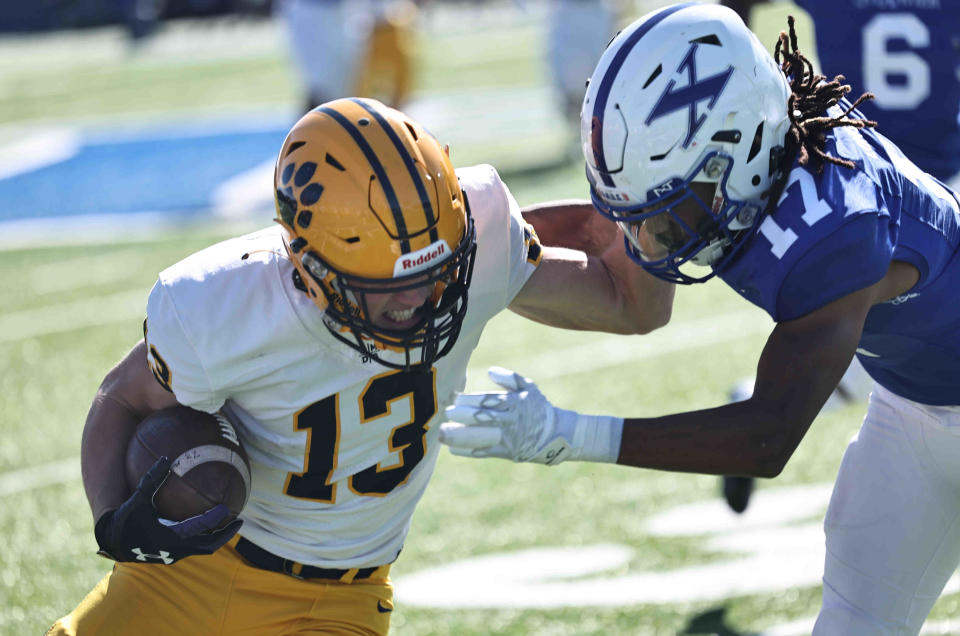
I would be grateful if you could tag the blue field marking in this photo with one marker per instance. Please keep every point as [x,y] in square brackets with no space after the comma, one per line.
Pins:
[174,172]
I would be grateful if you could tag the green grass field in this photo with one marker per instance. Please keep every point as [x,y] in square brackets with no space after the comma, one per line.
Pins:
[69,311]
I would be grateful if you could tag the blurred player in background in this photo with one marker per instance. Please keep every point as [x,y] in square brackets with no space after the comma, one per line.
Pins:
[326,39]
[908,55]
[577,32]
[141,17]
[717,160]
[330,342]
[389,61]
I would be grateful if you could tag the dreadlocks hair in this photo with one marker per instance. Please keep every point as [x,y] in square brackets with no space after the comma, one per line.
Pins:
[810,96]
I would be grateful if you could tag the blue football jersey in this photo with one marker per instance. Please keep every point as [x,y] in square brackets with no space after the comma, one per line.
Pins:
[836,232]
[906,52]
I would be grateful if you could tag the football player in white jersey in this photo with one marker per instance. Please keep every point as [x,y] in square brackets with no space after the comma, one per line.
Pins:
[331,342]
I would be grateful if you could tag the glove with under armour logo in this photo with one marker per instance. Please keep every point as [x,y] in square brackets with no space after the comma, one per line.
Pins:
[135,531]
[521,424]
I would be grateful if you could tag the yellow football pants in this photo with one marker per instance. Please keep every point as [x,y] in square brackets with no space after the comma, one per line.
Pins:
[222,594]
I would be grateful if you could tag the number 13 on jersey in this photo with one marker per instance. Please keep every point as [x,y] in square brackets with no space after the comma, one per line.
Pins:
[322,422]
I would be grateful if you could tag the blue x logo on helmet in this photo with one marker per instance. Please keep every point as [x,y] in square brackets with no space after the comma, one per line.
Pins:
[685,95]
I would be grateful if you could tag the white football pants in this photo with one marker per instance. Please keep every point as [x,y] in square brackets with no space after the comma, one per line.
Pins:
[893,524]
[325,38]
[577,33]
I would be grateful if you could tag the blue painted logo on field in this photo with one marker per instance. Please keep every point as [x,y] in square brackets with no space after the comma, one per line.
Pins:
[173,172]
[687,97]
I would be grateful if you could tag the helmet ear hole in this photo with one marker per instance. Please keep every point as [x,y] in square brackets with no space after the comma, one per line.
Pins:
[757,143]
[286,206]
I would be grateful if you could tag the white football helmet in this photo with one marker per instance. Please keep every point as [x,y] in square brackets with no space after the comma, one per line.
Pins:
[685,94]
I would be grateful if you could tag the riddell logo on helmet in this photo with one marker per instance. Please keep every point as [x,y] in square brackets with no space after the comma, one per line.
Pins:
[421,259]
[612,196]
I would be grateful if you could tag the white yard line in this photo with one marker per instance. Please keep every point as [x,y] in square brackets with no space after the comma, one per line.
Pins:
[110,229]
[32,477]
[125,306]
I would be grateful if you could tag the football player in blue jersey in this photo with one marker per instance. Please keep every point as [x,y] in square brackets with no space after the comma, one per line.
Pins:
[718,159]
[907,54]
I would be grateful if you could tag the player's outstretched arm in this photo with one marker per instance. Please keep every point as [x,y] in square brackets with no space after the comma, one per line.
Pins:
[594,286]
[755,437]
[574,224]
[800,366]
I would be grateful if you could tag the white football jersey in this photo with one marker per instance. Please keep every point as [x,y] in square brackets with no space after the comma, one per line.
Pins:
[341,448]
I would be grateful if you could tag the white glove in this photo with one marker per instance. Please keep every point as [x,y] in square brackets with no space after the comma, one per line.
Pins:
[521,424]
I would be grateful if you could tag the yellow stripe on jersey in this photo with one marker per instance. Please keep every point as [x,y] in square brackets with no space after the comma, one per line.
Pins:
[532,241]
[159,366]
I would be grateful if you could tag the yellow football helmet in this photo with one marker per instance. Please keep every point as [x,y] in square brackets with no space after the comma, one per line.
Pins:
[370,204]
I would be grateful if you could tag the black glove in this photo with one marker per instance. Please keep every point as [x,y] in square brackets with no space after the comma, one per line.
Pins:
[134,532]
[737,491]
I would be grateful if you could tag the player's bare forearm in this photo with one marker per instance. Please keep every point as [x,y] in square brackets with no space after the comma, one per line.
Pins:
[735,439]
[127,395]
[106,435]
[595,286]
[800,366]
[755,437]
[573,290]
[647,300]
[574,224]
